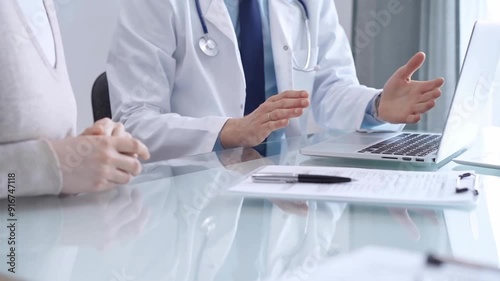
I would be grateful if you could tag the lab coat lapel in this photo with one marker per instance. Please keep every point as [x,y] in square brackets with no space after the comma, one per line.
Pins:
[281,18]
[217,14]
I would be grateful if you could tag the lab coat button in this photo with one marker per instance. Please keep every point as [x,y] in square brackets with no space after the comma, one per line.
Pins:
[241,106]
[285,48]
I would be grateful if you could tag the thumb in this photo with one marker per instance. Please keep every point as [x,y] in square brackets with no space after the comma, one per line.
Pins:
[407,71]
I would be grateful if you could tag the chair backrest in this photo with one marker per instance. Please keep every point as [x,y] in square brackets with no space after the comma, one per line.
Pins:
[100,98]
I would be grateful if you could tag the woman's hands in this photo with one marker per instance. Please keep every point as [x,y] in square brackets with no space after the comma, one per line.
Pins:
[106,127]
[102,157]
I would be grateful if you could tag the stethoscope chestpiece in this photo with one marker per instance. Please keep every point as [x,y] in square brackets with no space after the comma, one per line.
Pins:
[208,46]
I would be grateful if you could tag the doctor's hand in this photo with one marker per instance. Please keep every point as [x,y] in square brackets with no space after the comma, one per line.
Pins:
[405,100]
[272,115]
[97,163]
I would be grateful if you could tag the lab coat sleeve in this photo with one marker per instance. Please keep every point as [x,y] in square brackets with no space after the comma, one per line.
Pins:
[338,100]
[141,73]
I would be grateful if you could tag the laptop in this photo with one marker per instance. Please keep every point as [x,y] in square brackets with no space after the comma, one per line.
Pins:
[469,110]
[485,153]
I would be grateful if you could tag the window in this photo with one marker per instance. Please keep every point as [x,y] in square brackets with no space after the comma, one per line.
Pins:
[493,10]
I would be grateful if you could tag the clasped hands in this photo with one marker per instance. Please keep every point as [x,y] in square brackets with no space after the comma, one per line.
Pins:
[403,100]
[103,156]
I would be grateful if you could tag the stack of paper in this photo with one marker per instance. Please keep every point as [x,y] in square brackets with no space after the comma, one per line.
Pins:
[369,186]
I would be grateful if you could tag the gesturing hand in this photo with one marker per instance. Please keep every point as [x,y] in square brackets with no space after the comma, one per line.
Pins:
[272,115]
[404,100]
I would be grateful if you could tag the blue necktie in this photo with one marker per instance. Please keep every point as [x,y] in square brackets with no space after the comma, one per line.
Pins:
[252,53]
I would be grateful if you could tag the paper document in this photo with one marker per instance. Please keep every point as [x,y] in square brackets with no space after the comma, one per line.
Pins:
[371,264]
[370,186]
[374,263]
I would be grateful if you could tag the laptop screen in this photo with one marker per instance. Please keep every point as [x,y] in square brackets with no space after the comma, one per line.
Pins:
[470,109]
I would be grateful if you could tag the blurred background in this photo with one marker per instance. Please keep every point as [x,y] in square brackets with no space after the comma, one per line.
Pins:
[384,34]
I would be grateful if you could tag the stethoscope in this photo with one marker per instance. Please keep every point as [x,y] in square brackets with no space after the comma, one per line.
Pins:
[211,49]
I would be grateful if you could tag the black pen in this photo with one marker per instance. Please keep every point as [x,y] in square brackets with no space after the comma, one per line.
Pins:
[437,262]
[297,178]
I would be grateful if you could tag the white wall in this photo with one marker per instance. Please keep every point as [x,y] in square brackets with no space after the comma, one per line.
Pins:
[87,26]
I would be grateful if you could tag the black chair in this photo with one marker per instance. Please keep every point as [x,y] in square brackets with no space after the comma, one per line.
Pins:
[100,98]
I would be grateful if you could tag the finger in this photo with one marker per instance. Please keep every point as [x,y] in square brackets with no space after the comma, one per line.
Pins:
[120,177]
[127,164]
[289,95]
[407,71]
[432,95]
[131,146]
[284,104]
[119,131]
[413,119]
[106,125]
[424,107]
[282,114]
[276,125]
[426,86]
[103,121]
[128,135]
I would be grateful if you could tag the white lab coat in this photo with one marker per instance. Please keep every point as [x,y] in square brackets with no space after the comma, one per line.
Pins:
[176,99]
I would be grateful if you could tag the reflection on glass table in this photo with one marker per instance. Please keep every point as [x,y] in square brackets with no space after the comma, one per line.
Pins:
[175,222]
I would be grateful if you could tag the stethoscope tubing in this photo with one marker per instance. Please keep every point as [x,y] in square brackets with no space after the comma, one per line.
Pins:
[204,23]
[202,18]
[306,10]
[212,52]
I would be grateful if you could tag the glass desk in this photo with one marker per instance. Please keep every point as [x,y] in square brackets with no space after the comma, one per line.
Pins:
[174,222]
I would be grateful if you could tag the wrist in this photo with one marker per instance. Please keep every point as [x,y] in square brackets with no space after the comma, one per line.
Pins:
[229,135]
[377,111]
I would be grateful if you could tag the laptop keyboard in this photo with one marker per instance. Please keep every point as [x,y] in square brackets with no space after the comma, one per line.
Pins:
[406,144]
